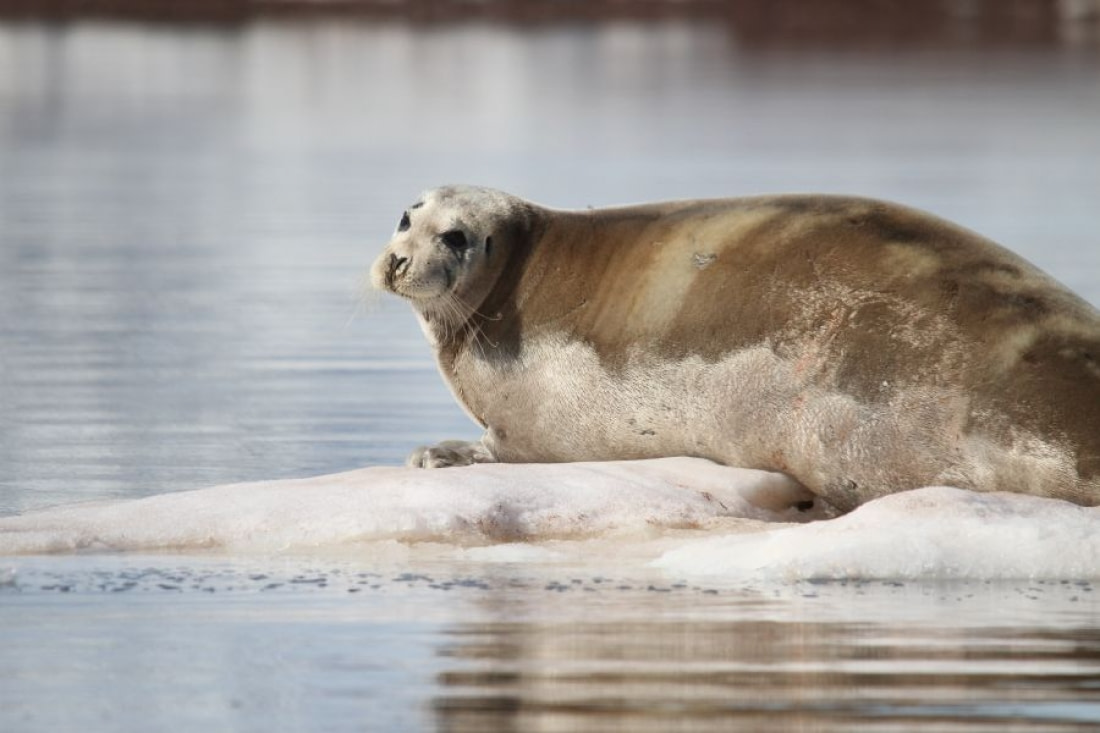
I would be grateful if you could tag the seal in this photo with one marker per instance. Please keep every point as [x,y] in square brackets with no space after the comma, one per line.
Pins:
[858,346]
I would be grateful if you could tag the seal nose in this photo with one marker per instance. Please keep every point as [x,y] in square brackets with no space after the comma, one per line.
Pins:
[398,265]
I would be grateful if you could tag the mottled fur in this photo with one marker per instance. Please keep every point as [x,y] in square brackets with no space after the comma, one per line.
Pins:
[859,346]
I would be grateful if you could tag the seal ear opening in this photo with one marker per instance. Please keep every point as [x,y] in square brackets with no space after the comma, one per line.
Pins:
[488,246]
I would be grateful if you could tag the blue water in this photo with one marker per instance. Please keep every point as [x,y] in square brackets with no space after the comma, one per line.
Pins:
[186,218]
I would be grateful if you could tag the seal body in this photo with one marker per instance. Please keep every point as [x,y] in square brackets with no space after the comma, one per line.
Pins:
[858,346]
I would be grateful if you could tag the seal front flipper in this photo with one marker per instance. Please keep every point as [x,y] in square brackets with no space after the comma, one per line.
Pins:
[450,453]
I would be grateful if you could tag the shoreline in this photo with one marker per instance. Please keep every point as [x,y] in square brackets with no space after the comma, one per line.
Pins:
[764,22]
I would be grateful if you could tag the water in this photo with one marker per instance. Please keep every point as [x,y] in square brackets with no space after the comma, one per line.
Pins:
[186,217]
[505,652]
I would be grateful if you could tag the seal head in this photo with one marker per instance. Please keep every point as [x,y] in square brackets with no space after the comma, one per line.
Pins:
[448,252]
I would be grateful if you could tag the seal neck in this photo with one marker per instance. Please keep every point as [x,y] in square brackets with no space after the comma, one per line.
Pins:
[492,328]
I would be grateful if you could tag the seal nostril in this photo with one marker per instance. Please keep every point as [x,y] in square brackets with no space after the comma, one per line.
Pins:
[398,264]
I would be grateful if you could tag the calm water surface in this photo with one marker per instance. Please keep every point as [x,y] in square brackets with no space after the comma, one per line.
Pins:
[173,643]
[186,218]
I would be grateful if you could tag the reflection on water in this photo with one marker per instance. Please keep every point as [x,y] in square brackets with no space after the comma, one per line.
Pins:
[186,215]
[262,644]
[839,657]
[756,674]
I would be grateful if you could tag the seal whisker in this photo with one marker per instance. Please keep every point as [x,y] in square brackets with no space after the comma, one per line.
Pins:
[367,302]
[472,310]
[460,309]
[477,330]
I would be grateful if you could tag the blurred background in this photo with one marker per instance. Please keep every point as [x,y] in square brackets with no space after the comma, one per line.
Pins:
[191,192]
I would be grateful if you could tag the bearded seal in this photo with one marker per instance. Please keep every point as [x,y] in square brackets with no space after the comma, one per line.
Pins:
[858,346]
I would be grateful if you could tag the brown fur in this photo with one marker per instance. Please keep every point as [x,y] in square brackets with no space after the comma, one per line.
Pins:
[889,307]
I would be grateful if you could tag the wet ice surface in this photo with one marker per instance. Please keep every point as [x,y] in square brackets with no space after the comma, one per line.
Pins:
[186,218]
[146,574]
[470,506]
[301,573]
[687,517]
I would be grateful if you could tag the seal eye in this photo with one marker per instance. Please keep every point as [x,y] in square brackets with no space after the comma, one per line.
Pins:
[455,240]
[405,223]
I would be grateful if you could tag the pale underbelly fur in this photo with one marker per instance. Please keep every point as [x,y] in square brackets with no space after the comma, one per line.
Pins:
[750,409]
